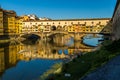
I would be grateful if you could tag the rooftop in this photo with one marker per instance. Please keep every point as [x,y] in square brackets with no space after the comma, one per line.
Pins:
[70,19]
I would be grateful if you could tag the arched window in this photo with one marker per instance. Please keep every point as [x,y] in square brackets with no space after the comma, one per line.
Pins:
[99,22]
[92,22]
[59,27]
[53,28]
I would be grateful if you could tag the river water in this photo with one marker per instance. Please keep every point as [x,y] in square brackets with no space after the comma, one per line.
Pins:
[24,61]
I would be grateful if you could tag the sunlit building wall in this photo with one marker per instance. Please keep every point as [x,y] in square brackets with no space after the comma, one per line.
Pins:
[1,22]
[9,22]
[89,25]
[18,25]
[25,17]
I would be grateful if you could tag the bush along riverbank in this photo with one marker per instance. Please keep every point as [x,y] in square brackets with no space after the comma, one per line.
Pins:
[56,68]
[82,65]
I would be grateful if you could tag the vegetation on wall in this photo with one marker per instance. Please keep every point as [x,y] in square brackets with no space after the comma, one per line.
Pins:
[82,65]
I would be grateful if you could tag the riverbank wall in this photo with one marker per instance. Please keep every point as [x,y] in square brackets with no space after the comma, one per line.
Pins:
[116,22]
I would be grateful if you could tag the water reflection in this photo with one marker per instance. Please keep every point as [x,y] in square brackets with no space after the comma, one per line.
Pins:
[27,62]
[92,40]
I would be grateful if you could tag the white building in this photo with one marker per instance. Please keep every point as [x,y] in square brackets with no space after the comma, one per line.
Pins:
[32,17]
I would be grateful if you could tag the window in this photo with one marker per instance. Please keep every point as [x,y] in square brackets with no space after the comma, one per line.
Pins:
[78,22]
[53,22]
[47,23]
[91,26]
[71,22]
[59,22]
[92,22]
[99,22]
[107,22]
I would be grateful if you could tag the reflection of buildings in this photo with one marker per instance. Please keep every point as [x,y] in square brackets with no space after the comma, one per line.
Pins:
[7,57]
[10,55]
[2,60]
[51,51]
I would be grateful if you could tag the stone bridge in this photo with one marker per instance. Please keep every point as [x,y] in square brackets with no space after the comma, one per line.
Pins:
[44,35]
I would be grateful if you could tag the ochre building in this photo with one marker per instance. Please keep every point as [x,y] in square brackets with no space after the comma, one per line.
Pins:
[69,25]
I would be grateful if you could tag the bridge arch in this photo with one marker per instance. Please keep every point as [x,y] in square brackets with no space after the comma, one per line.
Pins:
[53,28]
[59,28]
[26,35]
[65,28]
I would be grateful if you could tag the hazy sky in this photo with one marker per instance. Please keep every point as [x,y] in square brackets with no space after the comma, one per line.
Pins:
[62,9]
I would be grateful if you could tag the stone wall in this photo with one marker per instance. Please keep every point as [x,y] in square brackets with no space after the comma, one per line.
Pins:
[116,22]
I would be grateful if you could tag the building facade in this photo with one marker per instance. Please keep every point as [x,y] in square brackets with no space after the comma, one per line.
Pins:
[7,22]
[70,25]
[11,24]
[1,22]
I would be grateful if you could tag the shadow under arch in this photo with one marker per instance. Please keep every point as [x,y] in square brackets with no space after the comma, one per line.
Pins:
[53,28]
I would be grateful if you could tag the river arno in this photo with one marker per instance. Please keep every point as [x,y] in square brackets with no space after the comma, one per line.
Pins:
[20,61]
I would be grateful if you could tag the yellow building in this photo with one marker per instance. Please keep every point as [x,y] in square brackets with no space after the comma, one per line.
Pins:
[76,27]
[11,25]
[82,29]
[1,22]
[18,25]
[71,28]
[9,22]
[70,51]
[25,18]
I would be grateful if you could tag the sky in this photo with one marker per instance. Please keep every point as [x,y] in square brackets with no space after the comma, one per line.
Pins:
[62,9]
